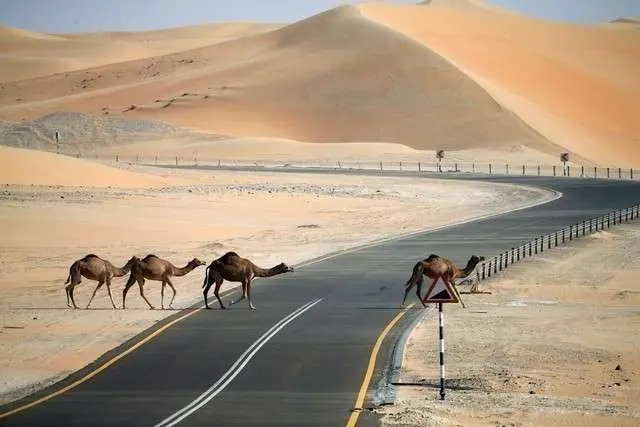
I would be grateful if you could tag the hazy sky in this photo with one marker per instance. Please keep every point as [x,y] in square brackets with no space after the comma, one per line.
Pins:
[96,15]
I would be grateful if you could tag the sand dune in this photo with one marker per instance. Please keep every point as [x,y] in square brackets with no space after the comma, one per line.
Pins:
[450,74]
[577,85]
[26,54]
[31,167]
[334,77]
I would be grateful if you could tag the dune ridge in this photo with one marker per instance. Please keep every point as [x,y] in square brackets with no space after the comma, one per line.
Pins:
[334,77]
[574,84]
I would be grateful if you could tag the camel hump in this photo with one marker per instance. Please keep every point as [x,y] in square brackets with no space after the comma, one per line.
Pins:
[148,257]
[226,258]
[87,257]
[432,257]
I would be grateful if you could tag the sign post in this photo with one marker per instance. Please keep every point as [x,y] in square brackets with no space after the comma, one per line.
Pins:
[57,136]
[564,158]
[442,291]
[440,156]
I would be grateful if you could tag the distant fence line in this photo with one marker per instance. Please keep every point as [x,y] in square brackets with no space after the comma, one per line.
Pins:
[511,169]
[493,266]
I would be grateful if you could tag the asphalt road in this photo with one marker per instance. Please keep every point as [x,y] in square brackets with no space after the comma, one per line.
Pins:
[300,358]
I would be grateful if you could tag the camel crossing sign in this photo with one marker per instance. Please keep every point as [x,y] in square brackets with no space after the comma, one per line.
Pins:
[441,291]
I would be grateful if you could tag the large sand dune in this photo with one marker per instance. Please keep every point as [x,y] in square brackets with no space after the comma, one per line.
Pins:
[333,77]
[451,74]
[577,85]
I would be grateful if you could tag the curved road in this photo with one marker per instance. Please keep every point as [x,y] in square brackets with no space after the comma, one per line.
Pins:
[300,358]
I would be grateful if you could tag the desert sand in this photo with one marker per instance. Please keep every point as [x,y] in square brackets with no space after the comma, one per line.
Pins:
[554,344]
[356,84]
[267,217]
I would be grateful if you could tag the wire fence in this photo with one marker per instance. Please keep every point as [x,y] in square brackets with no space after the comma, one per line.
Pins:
[417,167]
[493,266]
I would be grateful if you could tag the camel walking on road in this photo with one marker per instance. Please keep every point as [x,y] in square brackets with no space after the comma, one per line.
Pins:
[93,267]
[234,268]
[153,268]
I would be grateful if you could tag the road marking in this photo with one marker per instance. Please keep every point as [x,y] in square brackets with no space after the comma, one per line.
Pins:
[107,363]
[102,367]
[355,414]
[235,369]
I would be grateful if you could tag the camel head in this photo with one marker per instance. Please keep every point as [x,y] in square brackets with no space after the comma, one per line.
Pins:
[196,263]
[475,260]
[283,268]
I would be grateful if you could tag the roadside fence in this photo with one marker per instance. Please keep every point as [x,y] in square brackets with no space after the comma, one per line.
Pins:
[502,261]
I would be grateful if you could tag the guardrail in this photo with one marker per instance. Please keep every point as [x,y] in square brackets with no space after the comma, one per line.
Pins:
[493,266]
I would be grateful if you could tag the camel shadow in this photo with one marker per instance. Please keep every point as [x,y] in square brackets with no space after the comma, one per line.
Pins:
[460,384]
[476,292]
[99,309]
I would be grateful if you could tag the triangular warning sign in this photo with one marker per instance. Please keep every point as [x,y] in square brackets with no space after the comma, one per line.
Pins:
[440,291]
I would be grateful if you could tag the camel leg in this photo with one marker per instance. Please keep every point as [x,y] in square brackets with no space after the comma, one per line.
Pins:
[141,286]
[73,301]
[130,283]
[100,283]
[109,290]
[216,291]
[453,285]
[67,290]
[162,295]
[406,292]
[205,292]
[249,295]
[419,293]
[174,292]
[244,293]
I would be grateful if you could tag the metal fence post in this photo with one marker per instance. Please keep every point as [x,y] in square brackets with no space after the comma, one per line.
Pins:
[506,168]
[538,170]
[536,243]
[595,171]
[524,170]
[554,170]
[582,171]
[501,262]
[619,173]
[419,167]
[489,168]
[608,176]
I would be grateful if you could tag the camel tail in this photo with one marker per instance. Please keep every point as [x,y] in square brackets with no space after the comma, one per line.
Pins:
[416,275]
[68,277]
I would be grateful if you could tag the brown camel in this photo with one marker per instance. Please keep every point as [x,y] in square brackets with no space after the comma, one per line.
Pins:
[94,268]
[153,268]
[435,266]
[234,268]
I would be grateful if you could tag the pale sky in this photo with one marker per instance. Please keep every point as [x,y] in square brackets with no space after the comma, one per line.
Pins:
[68,16]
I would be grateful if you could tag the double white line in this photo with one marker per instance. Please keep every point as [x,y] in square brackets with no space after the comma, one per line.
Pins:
[235,369]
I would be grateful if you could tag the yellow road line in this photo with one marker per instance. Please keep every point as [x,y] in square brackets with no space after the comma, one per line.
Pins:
[355,414]
[100,368]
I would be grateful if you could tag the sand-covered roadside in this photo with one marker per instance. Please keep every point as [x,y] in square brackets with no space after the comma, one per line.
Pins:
[266,217]
[557,343]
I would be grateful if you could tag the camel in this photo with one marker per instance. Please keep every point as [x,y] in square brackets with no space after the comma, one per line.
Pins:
[93,267]
[234,268]
[434,266]
[153,268]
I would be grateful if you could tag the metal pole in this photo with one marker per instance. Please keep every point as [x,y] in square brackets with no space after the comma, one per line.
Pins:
[441,330]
